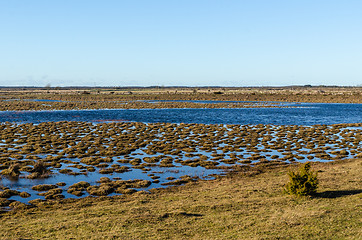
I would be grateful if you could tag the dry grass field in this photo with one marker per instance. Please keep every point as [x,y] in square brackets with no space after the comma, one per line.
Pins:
[247,204]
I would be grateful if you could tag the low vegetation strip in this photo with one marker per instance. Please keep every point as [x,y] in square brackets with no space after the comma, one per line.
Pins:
[242,205]
[17,99]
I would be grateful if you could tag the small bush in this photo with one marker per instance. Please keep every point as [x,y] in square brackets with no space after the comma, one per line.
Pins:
[302,183]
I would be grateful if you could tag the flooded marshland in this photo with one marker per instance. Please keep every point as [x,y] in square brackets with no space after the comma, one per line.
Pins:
[70,154]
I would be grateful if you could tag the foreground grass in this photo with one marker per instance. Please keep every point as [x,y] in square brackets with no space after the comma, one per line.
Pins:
[242,206]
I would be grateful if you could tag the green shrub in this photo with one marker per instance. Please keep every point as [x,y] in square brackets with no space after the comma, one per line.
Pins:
[302,183]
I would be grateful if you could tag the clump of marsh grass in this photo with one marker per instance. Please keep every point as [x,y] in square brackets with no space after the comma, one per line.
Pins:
[102,190]
[43,187]
[302,183]
[7,193]
[12,171]
[40,167]
[78,188]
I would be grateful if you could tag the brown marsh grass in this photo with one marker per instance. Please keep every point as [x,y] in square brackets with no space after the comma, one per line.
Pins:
[17,99]
[79,148]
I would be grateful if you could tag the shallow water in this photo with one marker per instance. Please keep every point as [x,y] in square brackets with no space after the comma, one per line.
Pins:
[307,114]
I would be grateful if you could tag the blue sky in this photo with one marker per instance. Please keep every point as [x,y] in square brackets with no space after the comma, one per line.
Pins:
[188,42]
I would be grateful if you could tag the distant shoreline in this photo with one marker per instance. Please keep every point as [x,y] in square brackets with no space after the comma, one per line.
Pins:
[16,98]
[180,87]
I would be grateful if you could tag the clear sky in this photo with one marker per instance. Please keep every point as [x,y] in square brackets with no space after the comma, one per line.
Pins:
[180,42]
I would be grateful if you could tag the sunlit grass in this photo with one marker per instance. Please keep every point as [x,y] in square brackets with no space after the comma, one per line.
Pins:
[248,205]
[18,99]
